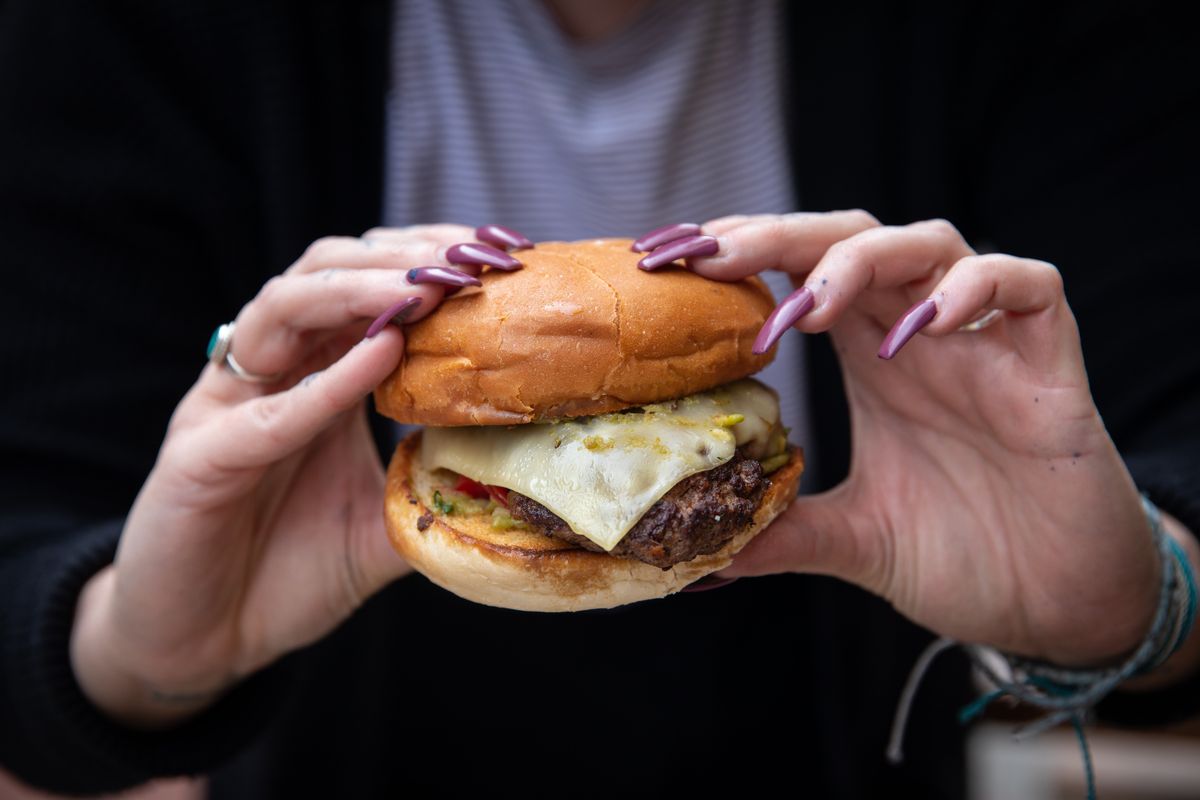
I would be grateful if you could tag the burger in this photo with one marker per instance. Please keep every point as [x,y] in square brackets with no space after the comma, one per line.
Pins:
[592,436]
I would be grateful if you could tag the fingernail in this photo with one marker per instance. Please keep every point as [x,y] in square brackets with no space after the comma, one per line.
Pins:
[502,237]
[446,276]
[680,248]
[708,582]
[660,236]
[472,253]
[906,327]
[785,315]
[396,313]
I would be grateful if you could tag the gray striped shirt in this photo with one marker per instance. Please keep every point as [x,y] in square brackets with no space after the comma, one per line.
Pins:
[496,115]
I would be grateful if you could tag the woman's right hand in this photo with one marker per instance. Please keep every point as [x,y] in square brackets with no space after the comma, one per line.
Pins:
[260,527]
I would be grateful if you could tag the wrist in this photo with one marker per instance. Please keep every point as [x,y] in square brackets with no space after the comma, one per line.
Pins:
[1072,690]
[106,677]
[1114,624]
[1101,624]
[1185,661]
[1168,639]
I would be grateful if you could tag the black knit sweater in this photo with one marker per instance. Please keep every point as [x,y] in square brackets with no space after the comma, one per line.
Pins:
[158,162]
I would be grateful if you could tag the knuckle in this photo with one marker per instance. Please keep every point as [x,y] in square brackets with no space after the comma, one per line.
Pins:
[419,251]
[974,267]
[324,250]
[399,254]
[181,419]
[939,227]
[447,231]
[320,248]
[268,415]
[439,230]
[1049,273]
[777,228]
[976,274]
[852,250]
[271,291]
[325,275]
[862,217]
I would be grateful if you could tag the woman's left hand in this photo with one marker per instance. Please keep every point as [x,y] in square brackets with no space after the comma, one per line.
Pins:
[985,499]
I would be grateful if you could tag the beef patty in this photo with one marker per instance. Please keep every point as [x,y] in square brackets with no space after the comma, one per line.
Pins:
[696,517]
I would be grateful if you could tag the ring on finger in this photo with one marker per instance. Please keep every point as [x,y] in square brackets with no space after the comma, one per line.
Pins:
[220,353]
[988,319]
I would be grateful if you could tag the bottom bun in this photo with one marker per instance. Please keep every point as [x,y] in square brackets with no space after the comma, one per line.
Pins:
[527,571]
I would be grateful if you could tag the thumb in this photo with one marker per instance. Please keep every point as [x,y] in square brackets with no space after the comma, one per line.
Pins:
[379,564]
[816,534]
[370,562]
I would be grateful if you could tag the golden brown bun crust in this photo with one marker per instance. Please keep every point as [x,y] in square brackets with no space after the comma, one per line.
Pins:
[580,330]
[530,572]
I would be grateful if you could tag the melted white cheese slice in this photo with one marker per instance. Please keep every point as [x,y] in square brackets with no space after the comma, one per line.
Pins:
[601,474]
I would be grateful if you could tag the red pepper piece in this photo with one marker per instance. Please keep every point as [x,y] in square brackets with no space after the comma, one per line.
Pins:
[471,488]
[499,494]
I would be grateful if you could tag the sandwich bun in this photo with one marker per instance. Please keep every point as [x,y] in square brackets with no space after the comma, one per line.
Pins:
[579,330]
[524,570]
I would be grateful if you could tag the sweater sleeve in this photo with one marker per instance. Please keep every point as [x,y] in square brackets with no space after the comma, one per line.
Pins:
[52,735]
[130,229]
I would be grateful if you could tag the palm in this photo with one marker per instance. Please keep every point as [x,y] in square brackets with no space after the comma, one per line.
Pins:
[325,531]
[310,521]
[982,455]
[985,499]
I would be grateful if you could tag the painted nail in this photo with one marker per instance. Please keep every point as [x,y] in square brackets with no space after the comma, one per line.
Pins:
[785,315]
[446,276]
[680,248]
[660,236]
[396,313]
[906,327]
[473,253]
[708,582]
[505,238]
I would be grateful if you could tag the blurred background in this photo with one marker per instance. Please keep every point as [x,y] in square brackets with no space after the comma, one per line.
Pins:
[1130,765]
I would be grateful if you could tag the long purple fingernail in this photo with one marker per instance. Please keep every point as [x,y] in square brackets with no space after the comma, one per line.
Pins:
[503,237]
[906,327]
[472,253]
[396,313]
[785,315]
[660,236]
[680,248]
[708,582]
[446,276]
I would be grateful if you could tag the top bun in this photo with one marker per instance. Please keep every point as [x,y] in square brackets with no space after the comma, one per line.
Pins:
[580,330]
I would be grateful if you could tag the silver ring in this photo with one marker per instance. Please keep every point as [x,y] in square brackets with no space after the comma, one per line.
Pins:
[219,353]
[990,318]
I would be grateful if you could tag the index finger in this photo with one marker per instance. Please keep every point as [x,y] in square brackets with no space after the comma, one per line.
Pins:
[790,242]
[381,248]
[261,431]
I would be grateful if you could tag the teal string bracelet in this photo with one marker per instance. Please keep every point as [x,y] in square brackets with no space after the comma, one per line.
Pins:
[1070,694]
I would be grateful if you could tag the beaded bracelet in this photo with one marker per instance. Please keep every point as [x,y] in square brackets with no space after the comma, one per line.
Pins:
[1070,694]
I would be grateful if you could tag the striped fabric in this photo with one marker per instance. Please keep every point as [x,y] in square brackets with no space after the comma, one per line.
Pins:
[495,115]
